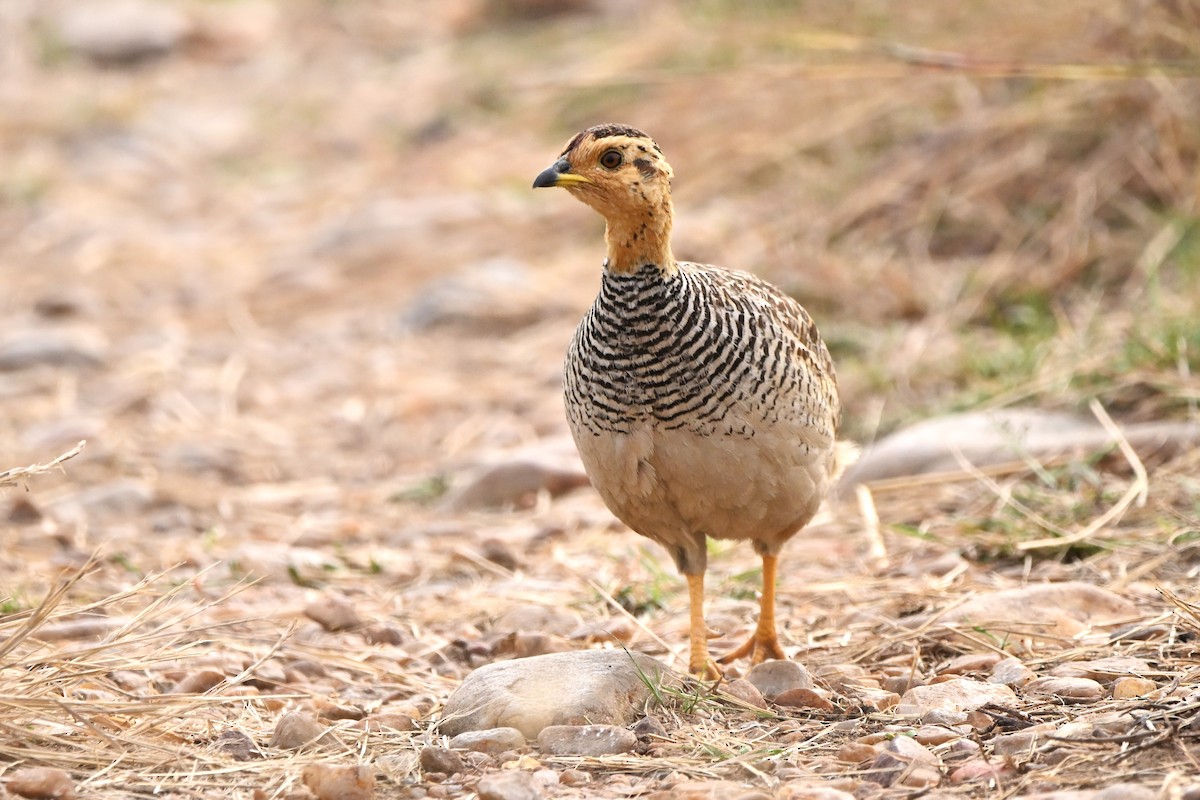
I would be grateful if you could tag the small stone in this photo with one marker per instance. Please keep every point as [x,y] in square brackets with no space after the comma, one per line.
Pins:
[877,699]
[333,613]
[493,740]
[586,740]
[1126,791]
[546,619]
[296,729]
[941,716]
[508,785]
[774,677]
[334,711]
[754,796]
[237,745]
[970,662]
[514,480]
[525,645]
[1069,689]
[856,753]
[746,692]
[1011,672]
[599,686]
[1102,669]
[51,347]
[440,759]
[380,633]
[1015,744]
[933,735]
[122,31]
[198,682]
[499,553]
[906,762]
[574,777]
[980,770]
[958,694]
[41,783]
[340,782]
[699,790]
[1129,687]
[843,677]
[803,698]
[807,791]
[649,727]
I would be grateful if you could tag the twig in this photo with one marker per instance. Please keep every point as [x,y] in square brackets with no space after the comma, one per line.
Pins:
[13,477]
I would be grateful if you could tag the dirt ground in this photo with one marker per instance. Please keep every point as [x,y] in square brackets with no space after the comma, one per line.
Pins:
[280,266]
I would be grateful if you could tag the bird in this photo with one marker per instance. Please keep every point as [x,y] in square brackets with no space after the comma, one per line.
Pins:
[702,400]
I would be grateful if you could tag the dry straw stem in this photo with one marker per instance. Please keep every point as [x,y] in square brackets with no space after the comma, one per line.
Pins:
[18,475]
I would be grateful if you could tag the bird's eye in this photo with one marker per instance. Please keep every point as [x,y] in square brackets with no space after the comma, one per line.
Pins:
[611,159]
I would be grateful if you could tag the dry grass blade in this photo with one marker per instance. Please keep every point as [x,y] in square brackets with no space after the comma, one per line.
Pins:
[17,475]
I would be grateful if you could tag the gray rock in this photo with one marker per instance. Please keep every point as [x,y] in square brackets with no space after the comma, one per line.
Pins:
[509,785]
[775,677]
[1068,689]
[999,436]
[441,759]
[52,346]
[122,31]
[905,761]
[1126,791]
[532,617]
[1062,609]
[296,729]
[496,296]
[515,478]
[578,687]
[493,740]
[1011,672]
[1102,669]
[960,694]
[586,740]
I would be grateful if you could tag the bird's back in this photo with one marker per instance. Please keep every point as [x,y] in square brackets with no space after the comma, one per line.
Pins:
[704,403]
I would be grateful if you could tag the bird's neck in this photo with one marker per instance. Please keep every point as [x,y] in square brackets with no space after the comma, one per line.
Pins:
[641,237]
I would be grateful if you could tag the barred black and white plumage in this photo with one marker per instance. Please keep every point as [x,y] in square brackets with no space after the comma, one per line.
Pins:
[702,400]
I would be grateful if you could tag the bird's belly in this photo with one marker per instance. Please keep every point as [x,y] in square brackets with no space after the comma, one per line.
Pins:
[677,486]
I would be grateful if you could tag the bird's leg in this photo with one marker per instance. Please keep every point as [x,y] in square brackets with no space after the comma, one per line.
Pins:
[699,664]
[764,643]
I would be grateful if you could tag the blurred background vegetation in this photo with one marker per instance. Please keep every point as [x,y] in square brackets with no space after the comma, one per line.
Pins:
[983,203]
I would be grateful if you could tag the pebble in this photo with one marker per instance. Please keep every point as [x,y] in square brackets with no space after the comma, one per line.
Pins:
[980,770]
[1071,689]
[649,727]
[598,686]
[842,677]
[877,699]
[296,729]
[514,479]
[958,694]
[440,759]
[493,740]
[51,347]
[526,644]
[1126,791]
[745,691]
[1102,669]
[855,753]
[1011,672]
[1019,743]
[970,662]
[699,790]
[382,633]
[508,785]
[1067,608]
[810,792]
[772,678]
[574,777]
[586,740]
[333,613]
[123,496]
[932,735]
[803,698]
[905,761]
[122,31]
[198,682]
[237,745]
[340,782]
[546,619]
[1130,687]
[42,783]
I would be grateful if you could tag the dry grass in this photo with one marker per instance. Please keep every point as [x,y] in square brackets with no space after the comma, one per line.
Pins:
[983,207]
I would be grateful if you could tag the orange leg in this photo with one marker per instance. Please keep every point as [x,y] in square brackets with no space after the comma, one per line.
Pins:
[699,664]
[764,643]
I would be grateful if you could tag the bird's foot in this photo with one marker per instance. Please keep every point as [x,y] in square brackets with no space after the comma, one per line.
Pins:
[706,670]
[761,646]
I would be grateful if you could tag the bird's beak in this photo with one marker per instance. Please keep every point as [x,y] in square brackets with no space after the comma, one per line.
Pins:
[558,174]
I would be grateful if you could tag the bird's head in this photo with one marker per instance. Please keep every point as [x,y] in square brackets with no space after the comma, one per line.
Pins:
[621,173]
